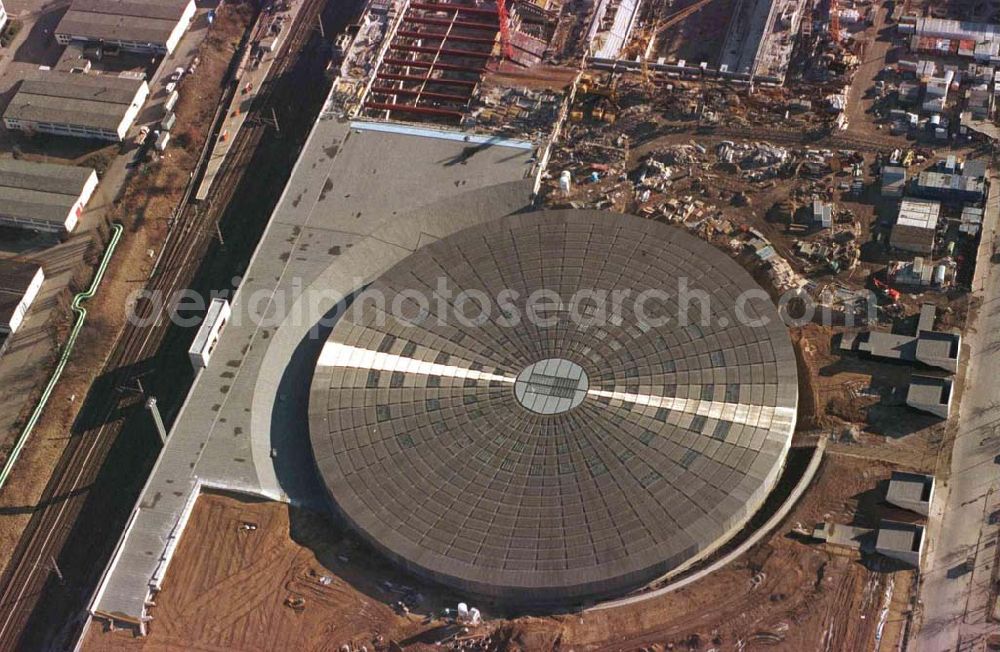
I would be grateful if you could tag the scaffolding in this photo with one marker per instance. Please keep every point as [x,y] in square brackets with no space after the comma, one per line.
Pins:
[436,60]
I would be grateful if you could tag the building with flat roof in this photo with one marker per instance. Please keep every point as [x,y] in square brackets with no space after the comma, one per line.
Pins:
[134,25]
[893,181]
[930,394]
[976,168]
[822,214]
[901,541]
[940,36]
[918,272]
[912,491]
[43,196]
[916,226]
[929,347]
[3,16]
[950,187]
[19,285]
[971,220]
[79,105]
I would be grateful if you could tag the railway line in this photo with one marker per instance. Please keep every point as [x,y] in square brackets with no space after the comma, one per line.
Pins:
[26,581]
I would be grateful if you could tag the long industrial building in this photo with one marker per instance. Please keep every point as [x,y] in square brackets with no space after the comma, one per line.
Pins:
[20,282]
[44,196]
[78,105]
[979,41]
[134,25]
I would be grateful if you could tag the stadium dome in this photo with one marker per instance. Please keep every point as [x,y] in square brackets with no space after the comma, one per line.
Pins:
[554,407]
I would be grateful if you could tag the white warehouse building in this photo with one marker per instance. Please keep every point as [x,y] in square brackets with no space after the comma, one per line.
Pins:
[79,105]
[44,196]
[19,285]
[145,26]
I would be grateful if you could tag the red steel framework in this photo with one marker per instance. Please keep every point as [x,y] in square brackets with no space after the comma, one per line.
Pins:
[437,58]
[508,52]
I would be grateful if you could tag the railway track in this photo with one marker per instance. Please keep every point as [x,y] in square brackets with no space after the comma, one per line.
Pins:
[24,582]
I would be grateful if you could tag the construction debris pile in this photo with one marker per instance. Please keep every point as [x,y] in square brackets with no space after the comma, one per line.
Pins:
[515,111]
[760,161]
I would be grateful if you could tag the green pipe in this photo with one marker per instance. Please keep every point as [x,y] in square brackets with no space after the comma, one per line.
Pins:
[81,317]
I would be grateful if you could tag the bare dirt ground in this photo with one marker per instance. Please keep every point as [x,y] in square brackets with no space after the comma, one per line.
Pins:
[144,207]
[846,391]
[229,585]
[238,588]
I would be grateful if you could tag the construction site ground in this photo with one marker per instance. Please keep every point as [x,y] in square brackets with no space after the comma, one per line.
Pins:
[252,575]
[144,207]
[860,404]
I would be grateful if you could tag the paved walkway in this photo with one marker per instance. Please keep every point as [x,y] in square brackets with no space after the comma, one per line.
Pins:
[962,540]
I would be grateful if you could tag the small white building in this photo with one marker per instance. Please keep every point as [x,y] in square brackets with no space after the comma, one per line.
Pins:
[916,226]
[3,17]
[930,394]
[19,285]
[208,334]
[912,491]
[893,181]
[901,541]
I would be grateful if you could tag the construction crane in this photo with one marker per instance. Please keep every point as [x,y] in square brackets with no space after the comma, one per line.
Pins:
[834,21]
[506,51]
[670,21]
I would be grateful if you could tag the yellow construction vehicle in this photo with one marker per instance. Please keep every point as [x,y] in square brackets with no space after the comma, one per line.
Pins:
[596,99]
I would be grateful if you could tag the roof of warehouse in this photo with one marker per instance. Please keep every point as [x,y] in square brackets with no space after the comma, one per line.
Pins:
[149,21]
[15,278]
[919,213]
[16,275]
[40,191]
[946,26]
[956,182]
[96,101]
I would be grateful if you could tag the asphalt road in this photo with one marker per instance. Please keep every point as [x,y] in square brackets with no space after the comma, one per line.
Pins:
[955,592]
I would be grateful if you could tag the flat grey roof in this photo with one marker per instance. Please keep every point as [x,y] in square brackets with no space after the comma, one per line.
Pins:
[937,346]
[944,181]
[15,277]
[977,167]
[143,21]
[910,487]
[905,537]
[40,191]
[928,316]
[95,101]
[929,390]
[890,345]
[359,200]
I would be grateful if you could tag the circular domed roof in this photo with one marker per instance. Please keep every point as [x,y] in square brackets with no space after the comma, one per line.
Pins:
[554,406]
